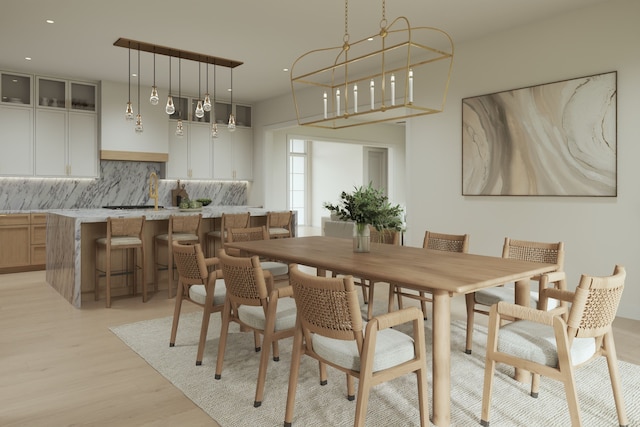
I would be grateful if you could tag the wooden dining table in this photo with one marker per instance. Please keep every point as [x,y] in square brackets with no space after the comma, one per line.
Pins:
[443,274]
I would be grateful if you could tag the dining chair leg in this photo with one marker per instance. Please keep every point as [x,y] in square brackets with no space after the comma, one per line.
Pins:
[469,302]
[423,305]
[204,328]
[296,355]
[614,374]
[322,367]
[224,332]
[370,305]
[176,314]
[351,388]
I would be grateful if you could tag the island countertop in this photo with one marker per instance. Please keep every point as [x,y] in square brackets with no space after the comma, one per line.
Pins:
[71,233]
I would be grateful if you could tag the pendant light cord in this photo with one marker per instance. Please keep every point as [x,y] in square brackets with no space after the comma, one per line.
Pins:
[139,106]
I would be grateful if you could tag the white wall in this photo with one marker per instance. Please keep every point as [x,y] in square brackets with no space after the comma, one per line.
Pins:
[598,232]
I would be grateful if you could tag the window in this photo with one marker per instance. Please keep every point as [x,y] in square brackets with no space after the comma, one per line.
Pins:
[298,178]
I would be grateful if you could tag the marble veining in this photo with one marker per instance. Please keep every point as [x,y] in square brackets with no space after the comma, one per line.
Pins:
[120,183]
[556,139]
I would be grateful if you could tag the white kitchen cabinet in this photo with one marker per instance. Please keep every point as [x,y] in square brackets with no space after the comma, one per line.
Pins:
[66,138]
[15,89]
[16,144]
[233,154]
[190,155]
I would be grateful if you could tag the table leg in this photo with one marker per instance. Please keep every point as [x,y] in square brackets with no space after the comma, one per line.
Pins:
[441,413]
[522,297]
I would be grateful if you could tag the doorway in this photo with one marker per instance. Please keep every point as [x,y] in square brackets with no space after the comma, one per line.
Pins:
[375,165]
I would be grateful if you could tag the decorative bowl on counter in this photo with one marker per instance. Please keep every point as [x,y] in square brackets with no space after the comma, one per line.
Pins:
[204,202]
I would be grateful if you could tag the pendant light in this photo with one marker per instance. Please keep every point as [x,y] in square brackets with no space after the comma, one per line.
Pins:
[199,109]
[153,99]
[128,114]
[232,120]
[179,128]
[214,125]
[207,100]
[139,128]
[170,108]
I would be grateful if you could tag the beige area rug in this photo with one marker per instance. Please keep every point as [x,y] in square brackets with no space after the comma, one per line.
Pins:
[230,400]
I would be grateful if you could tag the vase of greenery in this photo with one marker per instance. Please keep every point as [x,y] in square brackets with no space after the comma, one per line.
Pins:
[366,206]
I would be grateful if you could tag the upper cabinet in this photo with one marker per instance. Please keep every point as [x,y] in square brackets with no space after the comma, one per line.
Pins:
[15,89]
[233,154]
[66,141]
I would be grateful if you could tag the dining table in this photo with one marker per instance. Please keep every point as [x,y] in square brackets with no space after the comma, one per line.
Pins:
[443,274]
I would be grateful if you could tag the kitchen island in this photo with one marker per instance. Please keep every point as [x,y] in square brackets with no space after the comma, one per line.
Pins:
[71,235]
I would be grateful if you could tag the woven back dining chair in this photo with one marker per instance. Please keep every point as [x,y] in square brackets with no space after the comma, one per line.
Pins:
[551,253]
[330,329]
[253,302]
[216,238]
[198,286]
[279,270]
[554,343]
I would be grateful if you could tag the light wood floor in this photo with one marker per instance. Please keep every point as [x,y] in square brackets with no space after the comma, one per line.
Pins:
[61,366]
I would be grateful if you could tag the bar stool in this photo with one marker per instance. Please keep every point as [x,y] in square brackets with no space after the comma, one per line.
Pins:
[279,224]
[122,234]
[240,220]
[182,228]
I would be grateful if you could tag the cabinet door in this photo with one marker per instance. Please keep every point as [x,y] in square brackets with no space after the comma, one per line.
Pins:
[14,240]
[83,145]
[16,144]
[50,145]
[200,151]
[222,163]
[242,146]
[178,164]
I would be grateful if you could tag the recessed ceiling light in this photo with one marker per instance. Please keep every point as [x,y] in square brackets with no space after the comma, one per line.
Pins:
[134,75]
[28,58]
[50,21]
[285,69]
[229,90]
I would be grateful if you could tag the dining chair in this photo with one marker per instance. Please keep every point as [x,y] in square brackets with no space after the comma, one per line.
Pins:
[279,224]
[279,270]
[330,329]
[554,343]
[437,241]
[253,302]
[123,234]
[552,253]
[197,285]
[238,220]
[181,228]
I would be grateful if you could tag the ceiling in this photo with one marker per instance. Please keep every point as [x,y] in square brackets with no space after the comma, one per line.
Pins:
[267,36]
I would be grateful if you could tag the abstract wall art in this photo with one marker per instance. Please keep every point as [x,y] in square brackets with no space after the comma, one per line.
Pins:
[555,139]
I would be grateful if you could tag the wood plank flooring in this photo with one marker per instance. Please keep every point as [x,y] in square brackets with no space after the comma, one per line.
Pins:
[61,366]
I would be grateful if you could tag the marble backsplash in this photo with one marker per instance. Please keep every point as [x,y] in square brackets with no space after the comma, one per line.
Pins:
[120,183]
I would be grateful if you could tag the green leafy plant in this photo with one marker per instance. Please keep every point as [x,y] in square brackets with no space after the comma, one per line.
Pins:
[368,205]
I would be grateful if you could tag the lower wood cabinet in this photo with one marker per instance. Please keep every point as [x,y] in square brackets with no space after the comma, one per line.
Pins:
[22,242]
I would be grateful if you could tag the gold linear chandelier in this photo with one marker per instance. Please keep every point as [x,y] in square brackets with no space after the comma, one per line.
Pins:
[398,73]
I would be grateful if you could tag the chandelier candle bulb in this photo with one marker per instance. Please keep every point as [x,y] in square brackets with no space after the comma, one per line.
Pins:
[372,90]
[337,102]
[410,85]
[325,105]
[355,98]
[393,89]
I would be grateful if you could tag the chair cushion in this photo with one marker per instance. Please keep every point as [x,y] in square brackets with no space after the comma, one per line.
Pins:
[255,318]
[180,237]
[198,293]
[216,233]
[278,230]
[392,348]
[124,240]
[276,268]
[536,342]
[506,293]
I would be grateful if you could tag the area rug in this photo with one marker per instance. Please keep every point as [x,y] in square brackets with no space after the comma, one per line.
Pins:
[229,400]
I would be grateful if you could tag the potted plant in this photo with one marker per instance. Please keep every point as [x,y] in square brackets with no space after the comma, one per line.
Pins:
[367,206]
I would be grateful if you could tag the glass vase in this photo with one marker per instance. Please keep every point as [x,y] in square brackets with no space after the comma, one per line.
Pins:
[361,238]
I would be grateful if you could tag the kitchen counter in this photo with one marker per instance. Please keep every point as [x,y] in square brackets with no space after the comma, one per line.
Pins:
[71,234]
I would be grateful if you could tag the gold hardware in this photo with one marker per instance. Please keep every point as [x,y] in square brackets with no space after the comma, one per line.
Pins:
[153,189]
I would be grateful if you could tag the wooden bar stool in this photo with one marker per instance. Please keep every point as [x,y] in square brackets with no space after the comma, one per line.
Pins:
[240,220]
[182,228]
[122,234]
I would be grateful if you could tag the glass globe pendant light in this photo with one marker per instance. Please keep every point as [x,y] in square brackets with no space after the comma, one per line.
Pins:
[207,100]
[170,108]
[128,114]
[153,99]
[214,124]
[199,109]
[232,120]
[139,128]
[179,127]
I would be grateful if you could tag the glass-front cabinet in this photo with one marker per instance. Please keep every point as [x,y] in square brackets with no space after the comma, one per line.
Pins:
[75,96]
[15,89]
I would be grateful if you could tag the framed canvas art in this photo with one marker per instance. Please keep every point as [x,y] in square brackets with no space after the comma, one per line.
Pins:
[554,139]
